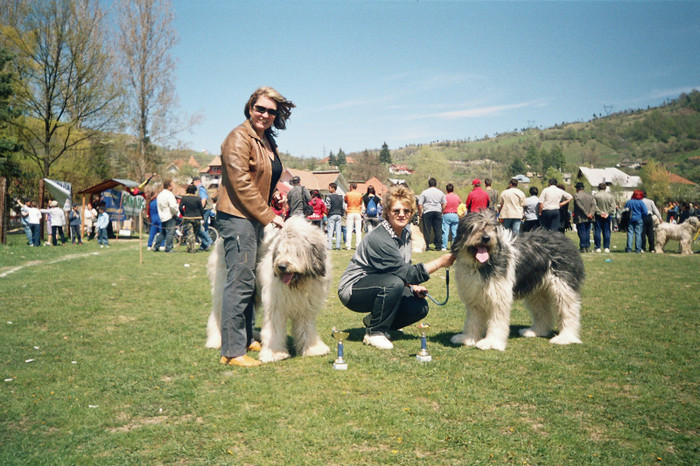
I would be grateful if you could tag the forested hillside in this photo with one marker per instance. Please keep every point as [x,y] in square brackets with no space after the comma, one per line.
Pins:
[641,142]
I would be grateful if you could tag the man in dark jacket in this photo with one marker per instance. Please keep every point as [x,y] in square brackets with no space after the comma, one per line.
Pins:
[297,198]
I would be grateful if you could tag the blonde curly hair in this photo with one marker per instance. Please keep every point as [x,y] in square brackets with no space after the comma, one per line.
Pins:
[398,193]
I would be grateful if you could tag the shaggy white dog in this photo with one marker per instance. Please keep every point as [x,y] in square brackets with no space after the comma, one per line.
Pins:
[492,269]
[293,277]
[417,239]
[682,232]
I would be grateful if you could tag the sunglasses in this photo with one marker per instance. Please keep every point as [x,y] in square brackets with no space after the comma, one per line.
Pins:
[262,110]
[402,211]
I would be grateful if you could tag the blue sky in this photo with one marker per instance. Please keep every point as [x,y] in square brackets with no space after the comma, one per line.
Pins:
[362,73]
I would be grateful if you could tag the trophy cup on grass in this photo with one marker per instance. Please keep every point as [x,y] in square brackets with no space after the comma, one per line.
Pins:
[339,363]
[423,355]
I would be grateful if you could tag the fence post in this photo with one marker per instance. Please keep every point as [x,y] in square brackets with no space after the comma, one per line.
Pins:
[4,214]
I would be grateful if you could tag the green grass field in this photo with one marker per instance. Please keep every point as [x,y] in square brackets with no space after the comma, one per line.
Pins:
[103,363]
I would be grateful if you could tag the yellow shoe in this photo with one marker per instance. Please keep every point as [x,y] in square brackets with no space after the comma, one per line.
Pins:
[254,346]
[242,361]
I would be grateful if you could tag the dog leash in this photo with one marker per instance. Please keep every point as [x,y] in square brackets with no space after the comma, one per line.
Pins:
[447,286]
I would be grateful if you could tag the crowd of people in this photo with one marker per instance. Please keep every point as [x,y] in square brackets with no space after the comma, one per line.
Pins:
[381,280]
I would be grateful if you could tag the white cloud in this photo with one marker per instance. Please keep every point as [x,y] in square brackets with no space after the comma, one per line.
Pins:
[663,93]
[477,112]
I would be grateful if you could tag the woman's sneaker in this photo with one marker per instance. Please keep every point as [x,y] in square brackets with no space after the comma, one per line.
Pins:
[378,341]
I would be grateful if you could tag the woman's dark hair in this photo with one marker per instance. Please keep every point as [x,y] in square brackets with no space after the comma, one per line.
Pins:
[370,190]
[284,107]
[191,189]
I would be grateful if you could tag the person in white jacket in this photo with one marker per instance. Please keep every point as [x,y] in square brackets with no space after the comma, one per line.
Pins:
[168,212]
[57,218]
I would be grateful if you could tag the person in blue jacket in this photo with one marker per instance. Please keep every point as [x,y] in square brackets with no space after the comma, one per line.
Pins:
[638,210]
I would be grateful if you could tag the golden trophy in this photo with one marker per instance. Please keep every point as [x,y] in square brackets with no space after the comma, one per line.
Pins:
[339,363]
[423,355]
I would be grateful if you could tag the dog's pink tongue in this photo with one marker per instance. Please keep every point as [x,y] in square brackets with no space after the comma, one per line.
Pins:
[482,254]
[287,277]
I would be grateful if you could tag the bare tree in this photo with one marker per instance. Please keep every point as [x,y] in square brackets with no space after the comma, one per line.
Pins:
[64,81]
[146,38]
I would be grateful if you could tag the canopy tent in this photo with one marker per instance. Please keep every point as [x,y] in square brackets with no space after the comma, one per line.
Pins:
[61,191]
[109,184]
[118,204]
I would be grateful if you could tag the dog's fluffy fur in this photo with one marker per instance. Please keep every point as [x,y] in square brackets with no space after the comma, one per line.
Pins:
[417,239]
[492,268]
[683,232]
[293,276]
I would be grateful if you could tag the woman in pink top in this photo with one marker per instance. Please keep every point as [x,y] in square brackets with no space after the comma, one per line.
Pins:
[450,219]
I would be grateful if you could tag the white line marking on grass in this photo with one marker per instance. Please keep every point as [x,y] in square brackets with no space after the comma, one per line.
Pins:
[60,259]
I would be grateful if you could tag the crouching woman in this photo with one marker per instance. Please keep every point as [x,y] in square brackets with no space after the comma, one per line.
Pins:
[380,279]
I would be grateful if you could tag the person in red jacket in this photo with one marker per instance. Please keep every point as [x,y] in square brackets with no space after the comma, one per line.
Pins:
[319,208]
[478,199]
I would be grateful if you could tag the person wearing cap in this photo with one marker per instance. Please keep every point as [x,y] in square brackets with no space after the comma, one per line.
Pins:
[297,198]
[57,218]
[478,199]
[584,214]
[552,199]
[250,169]
[510,207]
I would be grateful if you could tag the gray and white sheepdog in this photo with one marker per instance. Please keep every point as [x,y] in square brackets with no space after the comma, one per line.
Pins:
[493,268]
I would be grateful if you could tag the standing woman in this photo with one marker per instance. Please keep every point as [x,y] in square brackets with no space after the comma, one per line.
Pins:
[380,279]
[634,227]
[251,168]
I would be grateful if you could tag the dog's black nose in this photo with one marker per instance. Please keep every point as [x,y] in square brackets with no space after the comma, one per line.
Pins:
[485,238]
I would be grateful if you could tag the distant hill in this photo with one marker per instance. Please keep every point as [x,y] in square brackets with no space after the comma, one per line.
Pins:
[668,134]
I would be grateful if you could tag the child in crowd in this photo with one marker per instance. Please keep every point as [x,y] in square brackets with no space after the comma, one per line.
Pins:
[102,223]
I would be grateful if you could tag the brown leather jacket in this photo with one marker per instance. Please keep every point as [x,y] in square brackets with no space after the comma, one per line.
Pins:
[246,175]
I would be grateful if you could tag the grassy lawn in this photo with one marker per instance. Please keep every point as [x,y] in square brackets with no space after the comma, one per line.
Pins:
[103,362]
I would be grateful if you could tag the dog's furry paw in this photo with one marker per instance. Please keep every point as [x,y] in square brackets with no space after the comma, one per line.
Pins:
[213,342]
[267,355]
[528,333]
[318,349]
[491,343]
[565,339]
[462,339]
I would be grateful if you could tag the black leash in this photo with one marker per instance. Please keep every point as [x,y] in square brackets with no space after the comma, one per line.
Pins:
[447,286]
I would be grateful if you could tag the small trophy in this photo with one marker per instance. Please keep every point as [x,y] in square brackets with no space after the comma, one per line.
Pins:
[339,363]
[423,355]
